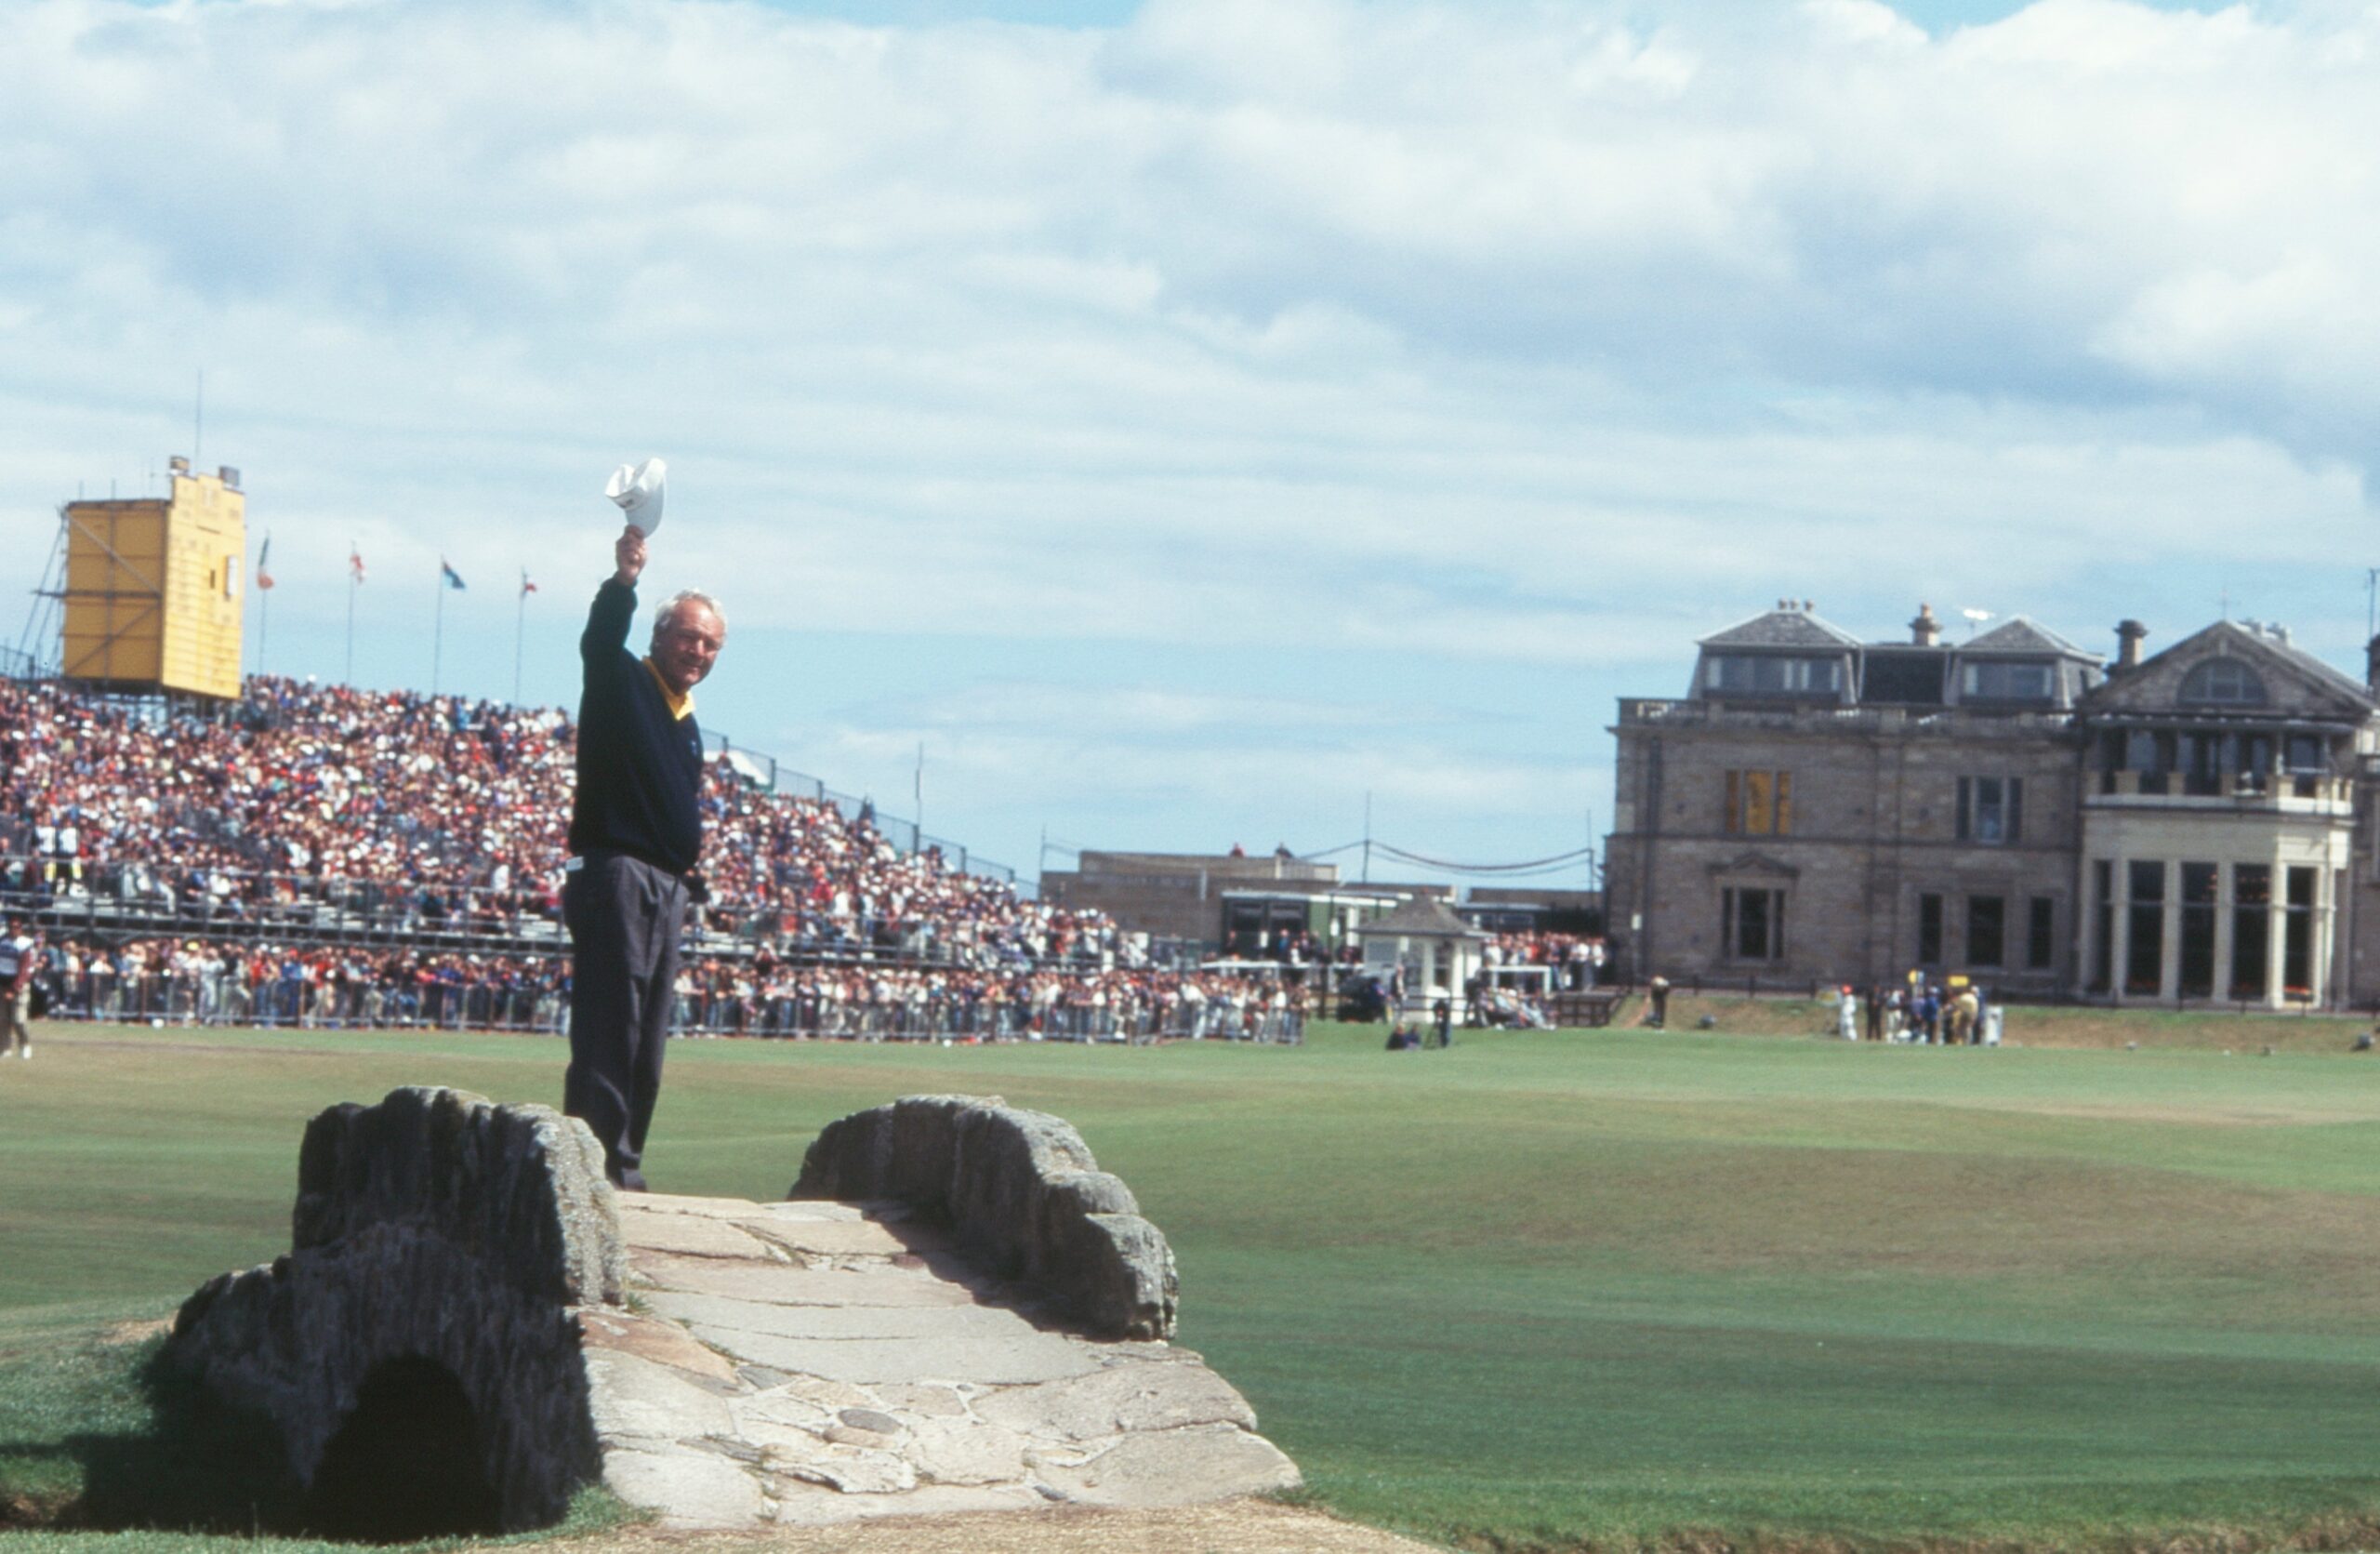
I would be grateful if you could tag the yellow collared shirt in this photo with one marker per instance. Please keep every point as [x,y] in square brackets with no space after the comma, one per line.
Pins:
[680,705]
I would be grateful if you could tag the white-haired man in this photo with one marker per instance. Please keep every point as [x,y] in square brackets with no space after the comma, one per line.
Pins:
[635,837]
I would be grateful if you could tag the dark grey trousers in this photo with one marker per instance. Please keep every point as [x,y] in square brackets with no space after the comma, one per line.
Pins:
[624,917]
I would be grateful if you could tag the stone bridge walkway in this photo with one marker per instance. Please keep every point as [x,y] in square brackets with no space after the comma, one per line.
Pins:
[812,1362]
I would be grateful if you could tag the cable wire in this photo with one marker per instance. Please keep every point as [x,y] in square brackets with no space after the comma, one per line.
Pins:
[1557,860]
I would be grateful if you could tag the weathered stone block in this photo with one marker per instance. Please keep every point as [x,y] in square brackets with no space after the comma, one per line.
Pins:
[1021,1193]
[436,1227]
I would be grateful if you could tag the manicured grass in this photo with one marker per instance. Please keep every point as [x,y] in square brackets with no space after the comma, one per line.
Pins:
[1539,1290]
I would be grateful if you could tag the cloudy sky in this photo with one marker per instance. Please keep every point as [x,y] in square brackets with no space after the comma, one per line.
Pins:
[1183,418]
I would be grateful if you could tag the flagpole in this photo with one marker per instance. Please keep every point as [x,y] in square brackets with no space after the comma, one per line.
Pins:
[438,632]
[519,628]
[264,595]
[350,616]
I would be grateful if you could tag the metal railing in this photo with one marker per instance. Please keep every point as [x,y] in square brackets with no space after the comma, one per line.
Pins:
[118,899]
[934,1019]
[220,997]
[231,999]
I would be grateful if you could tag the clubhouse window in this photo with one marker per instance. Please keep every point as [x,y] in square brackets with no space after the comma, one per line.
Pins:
[2199,902]
[2199,758]
[2151,753]
[1759,803]
[2103,924]
[1751,924]
[2222,682]
[1991,810]
[2297,935]
[1986,930]
[1991,681]
[2145,950]
[2307,761]
[2252,761]
[1929,929]
[2040,934]
[1749,674]
[2251,929]
[1906,679]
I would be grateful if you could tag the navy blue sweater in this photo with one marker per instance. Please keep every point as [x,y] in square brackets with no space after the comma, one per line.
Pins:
[639,770]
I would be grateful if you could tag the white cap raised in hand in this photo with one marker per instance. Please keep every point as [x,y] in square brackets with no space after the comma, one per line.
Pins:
[637,489]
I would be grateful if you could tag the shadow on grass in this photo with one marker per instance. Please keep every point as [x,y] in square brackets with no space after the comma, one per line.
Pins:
[165,1454]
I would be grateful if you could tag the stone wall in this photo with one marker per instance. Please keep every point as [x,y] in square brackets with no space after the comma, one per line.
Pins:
[440,1228]
[1874,827]
[1020,1191]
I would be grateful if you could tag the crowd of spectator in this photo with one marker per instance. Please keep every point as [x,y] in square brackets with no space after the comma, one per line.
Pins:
[308,806]
[442,812]
[419,813]
[1574,962]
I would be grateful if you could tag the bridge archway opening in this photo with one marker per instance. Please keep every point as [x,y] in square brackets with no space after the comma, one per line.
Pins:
[406,1462]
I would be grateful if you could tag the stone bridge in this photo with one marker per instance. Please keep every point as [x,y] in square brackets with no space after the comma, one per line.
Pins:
[954,1310]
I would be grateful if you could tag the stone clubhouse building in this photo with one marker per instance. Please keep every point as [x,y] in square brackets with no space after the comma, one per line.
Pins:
[2195,826]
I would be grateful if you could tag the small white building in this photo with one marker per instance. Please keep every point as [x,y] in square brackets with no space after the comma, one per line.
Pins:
[1438,952]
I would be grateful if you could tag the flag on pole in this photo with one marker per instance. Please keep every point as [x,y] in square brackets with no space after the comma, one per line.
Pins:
[264,578]
[527,588]
[354,562]
[454,579]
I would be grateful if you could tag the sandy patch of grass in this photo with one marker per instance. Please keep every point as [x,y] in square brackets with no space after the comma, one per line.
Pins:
[1236,1527]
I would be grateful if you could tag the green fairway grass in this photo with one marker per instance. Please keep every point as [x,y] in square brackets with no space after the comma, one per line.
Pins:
[1542,1290]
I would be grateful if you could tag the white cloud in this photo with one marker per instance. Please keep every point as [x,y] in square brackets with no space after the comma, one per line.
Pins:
[1501,335]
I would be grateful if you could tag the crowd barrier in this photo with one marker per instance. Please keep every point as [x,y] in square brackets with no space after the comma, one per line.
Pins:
[175,998]
[934,1019]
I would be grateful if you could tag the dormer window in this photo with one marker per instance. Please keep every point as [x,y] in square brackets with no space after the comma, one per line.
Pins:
[1750,674]
[2223,682]
[1993,681]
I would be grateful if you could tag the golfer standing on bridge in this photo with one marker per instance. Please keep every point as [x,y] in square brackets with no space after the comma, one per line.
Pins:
[635,833]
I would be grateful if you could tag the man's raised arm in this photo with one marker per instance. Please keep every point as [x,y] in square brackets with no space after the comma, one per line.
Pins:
[607,623]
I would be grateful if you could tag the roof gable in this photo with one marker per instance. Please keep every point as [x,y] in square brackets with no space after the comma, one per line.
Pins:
[2022,634]
[1782,628]
[2296,683]
[1421,915]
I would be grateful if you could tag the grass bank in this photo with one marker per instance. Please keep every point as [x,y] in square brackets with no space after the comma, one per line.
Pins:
[1539,1290]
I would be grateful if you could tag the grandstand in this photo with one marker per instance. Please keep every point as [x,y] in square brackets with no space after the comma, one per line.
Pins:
[328,855]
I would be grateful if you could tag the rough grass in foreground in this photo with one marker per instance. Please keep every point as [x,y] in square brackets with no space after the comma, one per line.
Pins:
[100,1444]
[1609,1290]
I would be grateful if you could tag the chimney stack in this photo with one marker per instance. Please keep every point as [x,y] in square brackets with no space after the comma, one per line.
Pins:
[2372,665]
[2128,638]
[1925,631]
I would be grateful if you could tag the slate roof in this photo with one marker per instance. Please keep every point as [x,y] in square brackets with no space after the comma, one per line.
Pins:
[2022,634]
[1422,915]
[1782,628]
